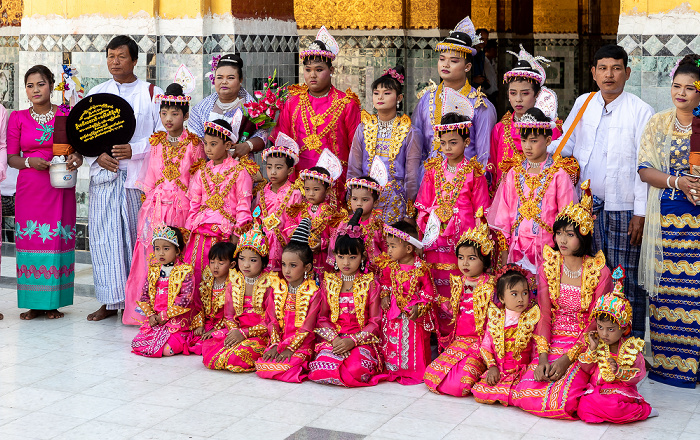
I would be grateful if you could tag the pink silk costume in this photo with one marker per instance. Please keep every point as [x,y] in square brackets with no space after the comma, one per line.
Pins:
[167,177]
[455,198]
[170,297]
[460,365]
[506,150]
[406,343]
[318,124]
[525,207]
[247,315]
[356,315]
[291,320]
[275,204]
[324,220]
[565,317]
[372,234]
[508,345]
[612,396]
[220,201]
[211,315]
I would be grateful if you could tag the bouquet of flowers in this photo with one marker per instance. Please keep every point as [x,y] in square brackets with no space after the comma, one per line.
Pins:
[264,110]
[70,86]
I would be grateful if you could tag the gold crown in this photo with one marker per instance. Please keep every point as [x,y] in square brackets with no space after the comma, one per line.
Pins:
[480,234]
[581,214]
[255,240]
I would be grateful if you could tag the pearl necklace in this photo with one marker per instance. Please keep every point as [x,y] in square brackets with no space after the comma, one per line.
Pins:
[322,96]
[293,290]
[682,128]
[534,165]
[451,169]
[385,128]
[347,277]
[173,139]
[570,273]
[42,119]
[251,281]
[219,286]
[226,107]
[314,208]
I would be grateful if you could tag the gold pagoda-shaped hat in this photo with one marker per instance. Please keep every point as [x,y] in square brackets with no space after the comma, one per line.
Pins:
[255,240]
[581,214]
[479,235]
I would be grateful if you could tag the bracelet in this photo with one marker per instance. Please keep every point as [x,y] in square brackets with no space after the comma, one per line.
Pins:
[26,163]
[668,181]
[250,144]
[676,183]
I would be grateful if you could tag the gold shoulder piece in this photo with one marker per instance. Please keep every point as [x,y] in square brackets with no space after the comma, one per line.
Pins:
[351,96]
[366,117]
[629,350]
[157,138]
[433,163]
[431,87]
[297,89]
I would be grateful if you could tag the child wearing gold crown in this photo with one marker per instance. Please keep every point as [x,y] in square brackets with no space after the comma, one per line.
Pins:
[349,322]
[166,299]
[460,365]
[278,194]
[220,197]
[316,114]
[508,341]
[615,363]
[531,194]
[175,156]
[454,63]
[325,216]
[244,335]
[291,313]
[408,297]
[570,282]
[452,191]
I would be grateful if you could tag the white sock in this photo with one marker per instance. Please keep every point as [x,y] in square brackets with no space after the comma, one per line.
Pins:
[654,413]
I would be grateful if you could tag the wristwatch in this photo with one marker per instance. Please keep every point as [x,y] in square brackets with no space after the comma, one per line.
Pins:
[26,163]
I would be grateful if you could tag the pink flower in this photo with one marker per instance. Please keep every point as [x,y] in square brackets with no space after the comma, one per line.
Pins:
[258,94]
[270,113]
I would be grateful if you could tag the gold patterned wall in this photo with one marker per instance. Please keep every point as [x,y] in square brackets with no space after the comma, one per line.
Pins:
[11,12]
[484,13]
[555,16]
[365,14]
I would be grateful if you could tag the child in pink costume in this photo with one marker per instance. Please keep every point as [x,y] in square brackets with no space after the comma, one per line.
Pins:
[453,189]
[175,156]
[220,197]
[531,195]
[615,363]
[166,299]
[408,297]
[244,336]
[508,343]
[350,319]
[460,365]
[278,194]
[291,314]
[212,292]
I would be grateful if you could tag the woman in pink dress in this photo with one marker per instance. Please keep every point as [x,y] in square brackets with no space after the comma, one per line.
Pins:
[452,191]
[220,196]
[166,299]
[244,335]
[508,342]
[408,297]
[570,282]
[531,195]
[349,322]
[317,115]
[460,365]
[291,313]
[615,363]
[278,194]
[525,87]
[44,215]
[175,156]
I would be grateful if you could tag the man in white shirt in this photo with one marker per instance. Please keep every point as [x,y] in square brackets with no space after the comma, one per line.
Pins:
[606,144]
[114,199]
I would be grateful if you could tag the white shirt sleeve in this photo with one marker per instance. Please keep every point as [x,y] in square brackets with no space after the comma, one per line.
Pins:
[640,188]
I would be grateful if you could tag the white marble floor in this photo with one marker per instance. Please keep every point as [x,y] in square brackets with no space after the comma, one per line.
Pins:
[74,379]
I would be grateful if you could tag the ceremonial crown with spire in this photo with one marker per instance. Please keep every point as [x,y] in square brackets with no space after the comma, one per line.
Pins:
[581,214]
[614,304]
[324,46]
[461,39]
[479,235]
[528,67]
[255,240]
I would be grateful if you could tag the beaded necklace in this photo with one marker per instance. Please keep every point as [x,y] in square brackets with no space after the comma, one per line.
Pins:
[511,155]
[215,196]
[446,192]
[312,140]
[529,206]
[400,276]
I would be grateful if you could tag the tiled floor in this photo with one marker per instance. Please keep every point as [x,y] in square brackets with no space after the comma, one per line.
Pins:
[74,379]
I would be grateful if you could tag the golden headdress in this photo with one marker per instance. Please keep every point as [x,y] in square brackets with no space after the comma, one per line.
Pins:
[255,240]
[581,214]
[479,235]
[614,304]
